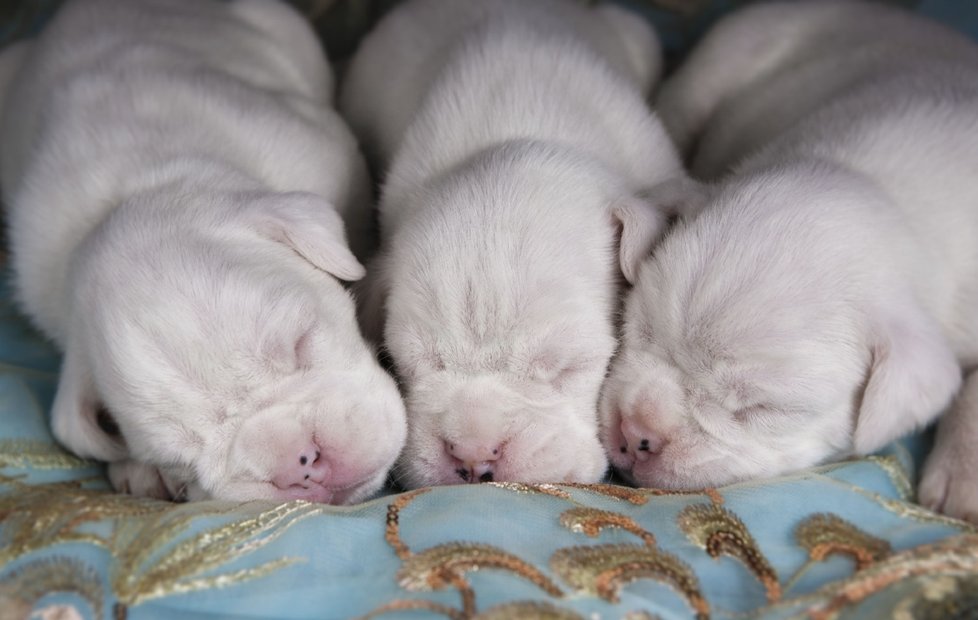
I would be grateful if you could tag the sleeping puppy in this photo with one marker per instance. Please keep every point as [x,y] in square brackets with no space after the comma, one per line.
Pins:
[821,304]
[175,181]
[516,144]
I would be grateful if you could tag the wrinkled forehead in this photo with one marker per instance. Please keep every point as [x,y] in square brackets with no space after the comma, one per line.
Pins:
[737,342]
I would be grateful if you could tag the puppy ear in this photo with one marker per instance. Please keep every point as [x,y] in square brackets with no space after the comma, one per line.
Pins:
[644,218]
[312,227]
[77,418]
[913,377]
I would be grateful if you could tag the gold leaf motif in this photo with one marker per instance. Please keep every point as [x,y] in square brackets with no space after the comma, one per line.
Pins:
[591,521]
[528,610]
[442,565]
[37,516]
[908,510]
[24,453]
[940,597]
[721,532]
[892,467]
[714,496]
[408,605]
[638,497]
[824,534]
[393,529]
[148,565]
[603,570]
[21,588]
[542,489]
[956,556]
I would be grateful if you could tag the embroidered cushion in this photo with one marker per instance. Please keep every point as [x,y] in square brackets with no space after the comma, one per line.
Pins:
[843,540]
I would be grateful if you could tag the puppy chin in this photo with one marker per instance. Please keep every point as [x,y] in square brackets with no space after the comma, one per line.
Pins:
[535,454]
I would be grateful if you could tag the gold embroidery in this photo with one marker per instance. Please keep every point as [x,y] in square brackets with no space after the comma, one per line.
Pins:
[38,516]
[435,568]
[714,496]
[21,588]
[893,468]
[529,610]
[721,532]
[916,512]
[603,570]
[591,521]
[638,497]
[392,532]
[543,489]
[940,597]
[445,566]
[24,453]
[146,569]
[954,556]
[407,605]
[824,534]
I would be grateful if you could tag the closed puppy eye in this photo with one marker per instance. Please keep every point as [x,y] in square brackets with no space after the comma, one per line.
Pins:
[747,414]
[107,424]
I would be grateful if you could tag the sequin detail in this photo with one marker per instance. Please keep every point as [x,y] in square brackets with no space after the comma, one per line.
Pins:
[21,588]
[826,534]
[153,561]
[591,521]
[955,557]
[529,610]
[24,453]
[721,532]
[603,570]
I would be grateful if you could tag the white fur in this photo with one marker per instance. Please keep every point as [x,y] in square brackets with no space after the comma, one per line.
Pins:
[822,303]
[516,144]
[175,180]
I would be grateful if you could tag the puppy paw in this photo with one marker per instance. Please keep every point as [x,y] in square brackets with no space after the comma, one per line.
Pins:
[139,479]
[950,486]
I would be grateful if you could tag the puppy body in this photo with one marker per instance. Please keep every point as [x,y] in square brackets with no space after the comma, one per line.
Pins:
[821,303]
[516,142]
[175,181]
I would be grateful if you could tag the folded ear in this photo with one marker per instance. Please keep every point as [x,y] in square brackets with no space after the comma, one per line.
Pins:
[312,227]
[77,417]
[644,218]
[913,377]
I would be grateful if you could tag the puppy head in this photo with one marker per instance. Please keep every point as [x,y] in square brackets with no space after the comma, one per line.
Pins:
[772,333]
[499,315]
[210,339]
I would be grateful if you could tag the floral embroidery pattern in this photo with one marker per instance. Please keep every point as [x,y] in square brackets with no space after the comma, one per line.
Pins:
[825,534]
[20,589]
[145,571]
[603,570]
[720,532]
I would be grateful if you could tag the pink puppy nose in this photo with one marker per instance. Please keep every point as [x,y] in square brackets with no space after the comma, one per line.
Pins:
[306,467]
[640,439]
[474,461]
